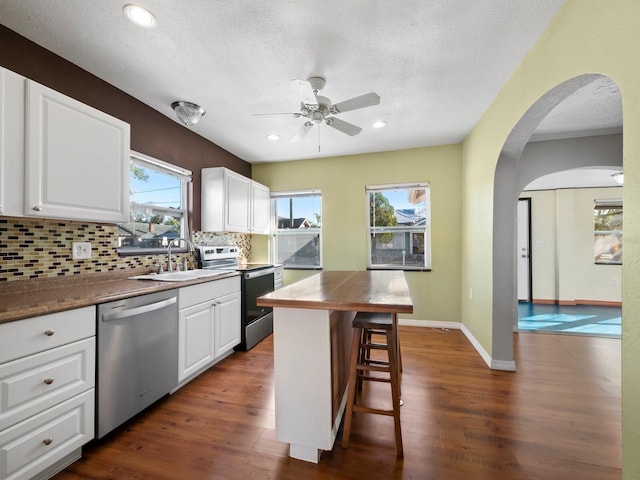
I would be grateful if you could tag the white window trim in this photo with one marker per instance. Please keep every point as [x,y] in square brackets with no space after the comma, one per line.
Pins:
[184,175]
[274,225]
[427,229]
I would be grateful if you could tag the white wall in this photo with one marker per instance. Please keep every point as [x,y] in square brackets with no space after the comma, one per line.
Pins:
[562,242]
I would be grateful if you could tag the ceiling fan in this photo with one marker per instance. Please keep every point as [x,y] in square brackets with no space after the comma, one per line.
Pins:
[317,109]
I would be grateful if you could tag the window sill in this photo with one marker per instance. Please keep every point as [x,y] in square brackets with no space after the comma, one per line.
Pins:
[403,269]
[145,252]
[286,267]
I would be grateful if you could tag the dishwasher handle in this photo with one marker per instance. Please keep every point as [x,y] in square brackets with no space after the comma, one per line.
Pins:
[107,317]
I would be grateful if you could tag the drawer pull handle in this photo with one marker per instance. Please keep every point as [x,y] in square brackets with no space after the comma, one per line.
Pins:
[49,332]
[37,209]
[47,441]
[48,381]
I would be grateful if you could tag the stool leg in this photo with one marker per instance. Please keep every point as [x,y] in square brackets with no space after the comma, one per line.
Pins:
[395,327]
[362,356]
[395,388]
[351,392]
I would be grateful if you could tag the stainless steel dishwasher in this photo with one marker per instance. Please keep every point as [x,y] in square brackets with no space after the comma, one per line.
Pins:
[137,357]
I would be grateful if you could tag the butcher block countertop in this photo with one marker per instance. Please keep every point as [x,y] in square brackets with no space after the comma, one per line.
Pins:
[29,298]
[362,291]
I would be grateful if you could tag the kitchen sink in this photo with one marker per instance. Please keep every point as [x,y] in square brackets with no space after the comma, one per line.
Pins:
[179,276]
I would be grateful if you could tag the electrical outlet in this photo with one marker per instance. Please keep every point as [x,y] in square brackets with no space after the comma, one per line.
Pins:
[470,293]
[81,250]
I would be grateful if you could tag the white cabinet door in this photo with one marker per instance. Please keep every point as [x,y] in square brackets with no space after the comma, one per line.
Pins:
[12,87]
[196,332]
[238,193]
[260,208]
[77,159]
[233,203]
[228,311]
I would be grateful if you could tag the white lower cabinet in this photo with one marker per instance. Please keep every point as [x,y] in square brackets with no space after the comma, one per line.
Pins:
[208,324]
[29,449]
[47,392]
[227,323]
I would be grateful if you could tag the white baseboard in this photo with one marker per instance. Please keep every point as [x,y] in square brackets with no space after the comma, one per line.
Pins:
[410,322]
[508,365]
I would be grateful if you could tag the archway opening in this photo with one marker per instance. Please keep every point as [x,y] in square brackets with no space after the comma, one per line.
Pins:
[515,169]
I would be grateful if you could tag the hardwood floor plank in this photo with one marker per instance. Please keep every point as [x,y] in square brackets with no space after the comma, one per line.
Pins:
[557,417]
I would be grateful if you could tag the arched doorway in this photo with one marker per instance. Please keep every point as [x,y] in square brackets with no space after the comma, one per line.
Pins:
[511,175]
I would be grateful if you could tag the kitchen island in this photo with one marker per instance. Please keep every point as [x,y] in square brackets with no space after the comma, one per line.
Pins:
[312,340]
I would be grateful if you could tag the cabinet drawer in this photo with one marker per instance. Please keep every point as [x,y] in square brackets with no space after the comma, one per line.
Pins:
[203,292]
[33,335]
[32,384]
[31,446]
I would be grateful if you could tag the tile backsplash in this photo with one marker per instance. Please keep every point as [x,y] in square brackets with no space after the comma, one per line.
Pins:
[37,248]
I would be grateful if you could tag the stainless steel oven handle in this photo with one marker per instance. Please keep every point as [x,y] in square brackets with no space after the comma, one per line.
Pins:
[259,273]
[107,317]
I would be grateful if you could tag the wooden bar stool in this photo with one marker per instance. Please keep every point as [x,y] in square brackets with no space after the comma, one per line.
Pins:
[362,366]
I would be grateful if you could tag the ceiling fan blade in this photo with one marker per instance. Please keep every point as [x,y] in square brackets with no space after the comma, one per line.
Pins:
[302,132]
[366,100]
[277,114]
[307,95]
[344,127]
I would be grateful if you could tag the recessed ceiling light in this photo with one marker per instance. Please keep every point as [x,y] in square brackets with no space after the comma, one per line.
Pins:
[140,16]
[378,124]
[273,137]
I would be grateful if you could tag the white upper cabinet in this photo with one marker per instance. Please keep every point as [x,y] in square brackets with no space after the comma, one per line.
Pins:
[233,203]
[238,192]
[76,159]
[12,95]
[260,208]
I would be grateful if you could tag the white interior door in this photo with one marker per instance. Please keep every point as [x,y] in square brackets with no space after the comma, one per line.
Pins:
[523,261]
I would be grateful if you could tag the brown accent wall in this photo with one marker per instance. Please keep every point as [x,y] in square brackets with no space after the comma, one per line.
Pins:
[151,132]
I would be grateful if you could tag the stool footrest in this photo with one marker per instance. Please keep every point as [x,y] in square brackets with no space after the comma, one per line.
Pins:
[374,379]
[374,368]
[360,408]
[368,361]
[374,346]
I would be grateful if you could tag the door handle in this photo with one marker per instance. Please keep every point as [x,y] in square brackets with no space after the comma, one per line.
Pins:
[138,310]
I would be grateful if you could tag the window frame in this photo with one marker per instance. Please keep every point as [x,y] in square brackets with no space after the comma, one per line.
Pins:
[185,177]
[274,227]
[608,204]
[426,230]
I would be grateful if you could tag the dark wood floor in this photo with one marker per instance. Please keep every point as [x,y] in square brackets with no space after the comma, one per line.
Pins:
[557,417]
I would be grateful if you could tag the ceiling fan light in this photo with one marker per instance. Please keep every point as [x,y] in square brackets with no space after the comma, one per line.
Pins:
[188,113]
[618,177]
[378,124]
[140,16]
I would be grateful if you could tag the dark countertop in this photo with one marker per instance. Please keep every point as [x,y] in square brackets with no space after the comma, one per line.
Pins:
[30,298]
[361,291]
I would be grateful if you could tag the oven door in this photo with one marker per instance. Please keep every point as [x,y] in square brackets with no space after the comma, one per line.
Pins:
[256,283]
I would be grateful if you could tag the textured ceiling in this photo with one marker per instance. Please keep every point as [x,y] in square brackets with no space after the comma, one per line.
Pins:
[436,64]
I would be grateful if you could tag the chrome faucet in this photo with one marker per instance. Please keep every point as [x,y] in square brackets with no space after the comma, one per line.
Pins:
[177,241]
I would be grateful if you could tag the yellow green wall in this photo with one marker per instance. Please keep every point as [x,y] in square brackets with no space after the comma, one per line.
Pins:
[342,180]
[586,36]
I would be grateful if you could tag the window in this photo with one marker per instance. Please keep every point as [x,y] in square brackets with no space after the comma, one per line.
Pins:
[297,221]
[157,205]
[607,221]
[399,226]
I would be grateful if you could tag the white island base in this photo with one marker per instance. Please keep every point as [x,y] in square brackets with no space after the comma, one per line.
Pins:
[311,361]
